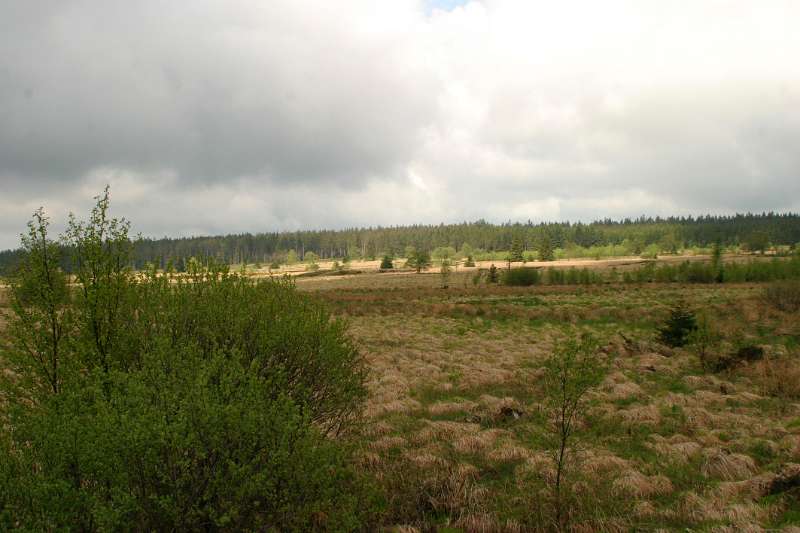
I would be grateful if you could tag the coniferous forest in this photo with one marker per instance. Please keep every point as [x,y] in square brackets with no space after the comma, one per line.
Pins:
[603,237]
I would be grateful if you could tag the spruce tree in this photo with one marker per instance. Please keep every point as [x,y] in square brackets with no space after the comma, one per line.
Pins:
[546,249]
[515,254]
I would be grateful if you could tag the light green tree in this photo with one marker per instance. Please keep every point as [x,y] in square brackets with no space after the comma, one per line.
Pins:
[571,371]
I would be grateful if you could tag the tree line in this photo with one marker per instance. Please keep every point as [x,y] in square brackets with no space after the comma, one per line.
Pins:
[602,237]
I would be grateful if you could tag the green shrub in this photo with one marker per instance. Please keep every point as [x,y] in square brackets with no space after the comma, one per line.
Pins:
[159,402]
[386,263]
[521,277]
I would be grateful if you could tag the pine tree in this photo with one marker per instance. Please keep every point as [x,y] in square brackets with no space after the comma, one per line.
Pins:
[515,254]
[678,327]
[386,262]
[546,249]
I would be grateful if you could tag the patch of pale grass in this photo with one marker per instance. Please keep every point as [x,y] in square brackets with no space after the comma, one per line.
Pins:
[677,448]
[478,442]
[640,414]
[625,391]
[654,362]
[478,523]
[388,443]
[779,377]
[377,429]
[538,465]
[634,484]
[724,465]
[443,431]
[445,408]
[426,459]
[599,463]
[644,510]
[369,460]
[749,489]
[406,405]
[695,509]
[482,375]
[405,529]
[508,453]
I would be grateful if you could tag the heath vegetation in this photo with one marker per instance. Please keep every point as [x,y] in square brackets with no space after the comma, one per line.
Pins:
[637,395]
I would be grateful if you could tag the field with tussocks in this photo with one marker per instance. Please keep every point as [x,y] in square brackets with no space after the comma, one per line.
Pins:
[456,432]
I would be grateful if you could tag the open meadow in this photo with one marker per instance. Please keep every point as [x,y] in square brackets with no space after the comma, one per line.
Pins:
[457,429]
[456,426]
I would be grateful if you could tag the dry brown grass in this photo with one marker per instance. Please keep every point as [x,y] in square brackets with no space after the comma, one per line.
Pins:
[777,376]
[634,484]
[724,465]
[456,411]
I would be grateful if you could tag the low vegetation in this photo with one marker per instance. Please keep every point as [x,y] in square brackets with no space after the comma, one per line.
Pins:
[656,395]
[159,402]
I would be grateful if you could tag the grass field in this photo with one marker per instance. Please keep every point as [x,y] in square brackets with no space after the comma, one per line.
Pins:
[455,429]
[455,423]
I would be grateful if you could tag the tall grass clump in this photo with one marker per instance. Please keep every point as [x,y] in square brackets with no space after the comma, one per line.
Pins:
[162,401]
[783,295]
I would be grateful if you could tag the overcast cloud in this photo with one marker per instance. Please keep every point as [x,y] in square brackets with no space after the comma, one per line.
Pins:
[227,116]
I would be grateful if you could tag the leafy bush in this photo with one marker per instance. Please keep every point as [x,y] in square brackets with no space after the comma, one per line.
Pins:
[521,277]
[165,402]
[678,327]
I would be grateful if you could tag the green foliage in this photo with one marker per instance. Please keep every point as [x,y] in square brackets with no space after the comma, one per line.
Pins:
[546,252]
[444,253]
[757,241]
[419,260]
[386,262]
[469,262]
[705,340]
[515,253]
[706,272]
[569,240]
[165,402]
[521,277]
[291,257]
[41,300]
[679,326]
[573,369]
[650,252]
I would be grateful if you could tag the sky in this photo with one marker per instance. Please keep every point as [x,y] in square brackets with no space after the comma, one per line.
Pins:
[210,117]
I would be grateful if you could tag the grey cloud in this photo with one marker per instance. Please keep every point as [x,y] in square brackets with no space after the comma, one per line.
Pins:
[211,90]
[210,116]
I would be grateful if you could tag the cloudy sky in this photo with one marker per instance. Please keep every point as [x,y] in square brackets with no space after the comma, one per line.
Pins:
[224,116]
